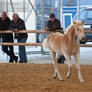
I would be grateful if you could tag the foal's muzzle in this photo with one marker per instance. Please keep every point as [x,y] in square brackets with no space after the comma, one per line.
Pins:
[83,39]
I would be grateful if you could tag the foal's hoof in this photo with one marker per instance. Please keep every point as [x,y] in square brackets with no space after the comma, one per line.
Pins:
[68,76]
[54,76]
[61,79]
[82,80]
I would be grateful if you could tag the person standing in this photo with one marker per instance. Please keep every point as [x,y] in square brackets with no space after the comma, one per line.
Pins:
[4,25]
[53,25]
[16,25]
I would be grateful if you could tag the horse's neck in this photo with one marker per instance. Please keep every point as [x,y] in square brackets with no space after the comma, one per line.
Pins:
[70,41]
[71,35]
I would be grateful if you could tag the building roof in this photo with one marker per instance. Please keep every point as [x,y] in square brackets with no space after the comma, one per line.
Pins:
[85,2]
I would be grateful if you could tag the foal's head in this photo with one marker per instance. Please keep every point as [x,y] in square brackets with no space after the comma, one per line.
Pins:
[75,30]
[78,26]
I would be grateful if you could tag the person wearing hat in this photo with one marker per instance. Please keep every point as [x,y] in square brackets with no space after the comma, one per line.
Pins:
[53,25]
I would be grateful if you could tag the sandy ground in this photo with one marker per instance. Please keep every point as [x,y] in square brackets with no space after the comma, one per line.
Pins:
[39,78]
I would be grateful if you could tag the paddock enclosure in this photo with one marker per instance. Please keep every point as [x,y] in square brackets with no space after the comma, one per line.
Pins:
[37,74]
[37,32]
[38,78]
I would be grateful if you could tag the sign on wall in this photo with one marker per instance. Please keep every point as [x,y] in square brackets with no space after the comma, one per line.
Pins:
[70,2]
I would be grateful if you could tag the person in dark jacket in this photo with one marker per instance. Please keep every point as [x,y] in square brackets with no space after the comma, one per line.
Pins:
[53,25]
[4,25]
[16,25]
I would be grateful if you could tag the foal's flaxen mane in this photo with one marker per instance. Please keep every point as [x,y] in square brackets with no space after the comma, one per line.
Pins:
[68,28]
[74,24]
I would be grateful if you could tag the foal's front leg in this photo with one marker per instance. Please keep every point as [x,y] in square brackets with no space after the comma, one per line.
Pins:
[78,67]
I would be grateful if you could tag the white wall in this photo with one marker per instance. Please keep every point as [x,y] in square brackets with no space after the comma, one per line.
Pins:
[18,8]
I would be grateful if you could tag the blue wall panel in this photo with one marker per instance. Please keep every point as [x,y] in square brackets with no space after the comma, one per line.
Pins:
[67,20]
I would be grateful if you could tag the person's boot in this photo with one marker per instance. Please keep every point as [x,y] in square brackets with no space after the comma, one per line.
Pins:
[20,61]
[16,59]
[11,59]
[61,60]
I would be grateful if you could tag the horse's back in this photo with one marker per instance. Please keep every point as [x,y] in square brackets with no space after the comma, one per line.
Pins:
[54,37]
[55,41]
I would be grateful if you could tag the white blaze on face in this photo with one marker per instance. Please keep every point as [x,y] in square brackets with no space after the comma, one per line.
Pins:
[81,32]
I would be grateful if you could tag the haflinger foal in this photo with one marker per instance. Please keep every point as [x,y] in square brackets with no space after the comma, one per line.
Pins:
[67,45]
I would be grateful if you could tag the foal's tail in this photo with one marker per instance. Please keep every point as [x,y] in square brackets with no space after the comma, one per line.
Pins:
[45,45]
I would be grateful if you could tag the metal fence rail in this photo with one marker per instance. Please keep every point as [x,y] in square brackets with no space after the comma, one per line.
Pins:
[35,31]
[22,44]
[24,31]
[36,44]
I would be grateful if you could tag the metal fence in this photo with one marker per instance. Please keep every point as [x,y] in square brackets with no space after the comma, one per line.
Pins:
[36,44]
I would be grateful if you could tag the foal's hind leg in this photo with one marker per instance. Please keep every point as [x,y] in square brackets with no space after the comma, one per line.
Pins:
[78,67]
[69,65]
[56,71]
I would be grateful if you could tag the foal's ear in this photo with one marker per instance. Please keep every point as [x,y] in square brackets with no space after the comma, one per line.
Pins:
[74,22]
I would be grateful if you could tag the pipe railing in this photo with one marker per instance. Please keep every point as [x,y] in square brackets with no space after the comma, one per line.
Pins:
[37,31]
[36,44]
